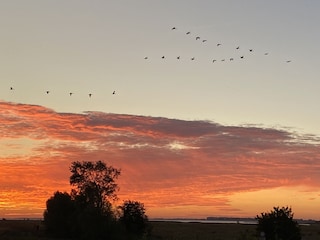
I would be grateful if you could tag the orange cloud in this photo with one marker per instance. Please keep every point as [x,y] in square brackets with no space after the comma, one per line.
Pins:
[167,164]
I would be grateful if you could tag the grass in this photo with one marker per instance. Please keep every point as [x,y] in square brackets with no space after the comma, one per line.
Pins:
[21,230]
[217,231]
[34,230]
[201,231]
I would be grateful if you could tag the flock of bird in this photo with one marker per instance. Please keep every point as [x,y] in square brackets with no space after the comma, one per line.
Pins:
[70,93]
[198,38]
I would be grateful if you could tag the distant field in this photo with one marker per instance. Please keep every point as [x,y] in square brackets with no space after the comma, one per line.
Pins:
[21,229]
[33,229]
[217,231]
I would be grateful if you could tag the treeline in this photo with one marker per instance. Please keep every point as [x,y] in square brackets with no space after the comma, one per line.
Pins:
[87,211]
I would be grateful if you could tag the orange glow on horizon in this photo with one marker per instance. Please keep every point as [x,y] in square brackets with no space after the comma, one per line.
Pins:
[176,168]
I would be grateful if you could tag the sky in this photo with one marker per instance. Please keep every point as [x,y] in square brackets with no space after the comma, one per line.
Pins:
[232,132]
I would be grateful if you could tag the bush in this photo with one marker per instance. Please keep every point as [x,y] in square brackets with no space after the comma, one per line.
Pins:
[133,217]
[58,217]
[279,224]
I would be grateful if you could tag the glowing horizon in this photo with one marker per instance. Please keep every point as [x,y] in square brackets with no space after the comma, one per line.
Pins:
[177,168]
[226,126]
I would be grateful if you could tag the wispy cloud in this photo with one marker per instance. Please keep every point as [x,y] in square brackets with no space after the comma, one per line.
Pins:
[165,162]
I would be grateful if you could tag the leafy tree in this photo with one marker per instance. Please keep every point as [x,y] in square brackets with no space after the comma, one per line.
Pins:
[95,183]
[58,217]
[86,213]
[95,186]
[279,224]
[133,217]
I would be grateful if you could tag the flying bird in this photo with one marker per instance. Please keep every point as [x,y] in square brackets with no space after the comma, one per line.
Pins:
[174,28]
[145,57]
[204,40]
[250,50]
[178,57]
[192,58]
[188,33]
[114,92]
[266,53]
[47,92]
[70,94]
[231,59]
[11,88]
[214,60]
[242,57]
[238,47]
[163,57]
[288,61]
[90,94]
[218,44]
[197,38]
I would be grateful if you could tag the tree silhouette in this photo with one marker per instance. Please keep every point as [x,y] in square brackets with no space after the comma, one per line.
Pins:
[279,224]
[95,183]
[87,212]
[133,217]
[58,217]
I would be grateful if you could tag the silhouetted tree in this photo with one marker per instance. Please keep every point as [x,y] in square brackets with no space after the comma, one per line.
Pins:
[133,217]
[86,213]
[95,187]
[279,224]
[59,215]
[95,183]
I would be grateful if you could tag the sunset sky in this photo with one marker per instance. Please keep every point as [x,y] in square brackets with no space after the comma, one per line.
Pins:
[193,138]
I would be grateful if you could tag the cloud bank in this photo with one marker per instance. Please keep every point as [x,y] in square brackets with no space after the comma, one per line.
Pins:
[175,167]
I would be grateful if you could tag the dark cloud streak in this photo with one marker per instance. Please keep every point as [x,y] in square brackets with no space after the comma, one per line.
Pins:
[160,157]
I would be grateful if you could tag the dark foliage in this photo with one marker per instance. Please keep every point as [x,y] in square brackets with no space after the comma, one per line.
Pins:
[133,217]
[95,183]
[59,215]
[279,224]
[87,212]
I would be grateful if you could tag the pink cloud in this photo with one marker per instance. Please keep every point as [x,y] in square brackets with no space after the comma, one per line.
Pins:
[164,162]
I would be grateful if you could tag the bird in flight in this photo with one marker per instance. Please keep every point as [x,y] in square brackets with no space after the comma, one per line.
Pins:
[163,57]
[218,44]
[90,94]
[266,53]
[145,57]
[197,38]
[250,50]
[114,92]
[174,28]
[188,33]
[231,59]
[47,92]
[70,94]
[242,57]
[288,61]
[204,40]
[214,60]
[192,58]
[238,47]
[178,57]
[11,88]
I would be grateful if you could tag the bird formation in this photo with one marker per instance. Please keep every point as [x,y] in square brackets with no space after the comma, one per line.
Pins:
[70,93]
[219,44]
